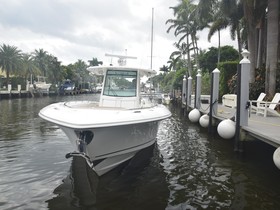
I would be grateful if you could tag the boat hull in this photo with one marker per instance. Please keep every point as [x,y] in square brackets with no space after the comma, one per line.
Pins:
[106,136]
[111,146]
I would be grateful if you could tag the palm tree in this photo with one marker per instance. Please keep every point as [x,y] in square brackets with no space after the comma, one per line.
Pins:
[172,64]
[228,14]
[28,66]
[204,11]
[233,10]
[183,50]
[253,13]
[164,68]
[272,49]
[40,57]
[81,71]
[54,69]
[95,62]
[10,58]
[184,25]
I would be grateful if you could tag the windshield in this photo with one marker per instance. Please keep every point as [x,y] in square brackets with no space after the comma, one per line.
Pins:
[120,83]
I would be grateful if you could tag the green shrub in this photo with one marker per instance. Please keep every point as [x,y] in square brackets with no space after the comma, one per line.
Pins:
[228,71]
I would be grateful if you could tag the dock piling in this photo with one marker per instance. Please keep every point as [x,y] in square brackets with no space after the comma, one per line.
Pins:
[243,78]
[214,97]
[198,90]
[189,92]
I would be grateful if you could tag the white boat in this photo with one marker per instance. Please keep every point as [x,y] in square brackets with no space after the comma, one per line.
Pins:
[111,131]
[41,84]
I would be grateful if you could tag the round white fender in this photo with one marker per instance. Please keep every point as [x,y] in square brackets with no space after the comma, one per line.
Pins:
[226,129]
[204,120]
[194,115]
[276,157]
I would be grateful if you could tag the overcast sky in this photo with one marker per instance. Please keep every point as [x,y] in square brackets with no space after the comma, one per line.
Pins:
[83,29]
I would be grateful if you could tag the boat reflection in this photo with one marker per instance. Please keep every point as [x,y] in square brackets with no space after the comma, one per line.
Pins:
[136,184]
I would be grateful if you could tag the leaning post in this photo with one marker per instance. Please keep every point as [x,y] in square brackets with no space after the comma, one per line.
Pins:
[198,90]
[242,109]
[214,97]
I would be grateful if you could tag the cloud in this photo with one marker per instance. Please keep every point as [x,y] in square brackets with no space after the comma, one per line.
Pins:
[83,29]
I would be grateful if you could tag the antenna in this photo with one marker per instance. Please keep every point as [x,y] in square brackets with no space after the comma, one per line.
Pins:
[122,58]
[152,38]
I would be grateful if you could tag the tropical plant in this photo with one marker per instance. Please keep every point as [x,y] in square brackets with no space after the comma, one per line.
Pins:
[253,12]
[95,62]
[272,50]
[54,69]
[41,59]
[206,81]
[10,59]
[208,60]
[228,70]
[80,68]
[172,64]
[179,55]
[164,68]
[184,25]
[28,66]
[68,72]
[227,13]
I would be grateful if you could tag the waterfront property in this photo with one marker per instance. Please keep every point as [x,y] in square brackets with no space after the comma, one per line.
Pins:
[243,124]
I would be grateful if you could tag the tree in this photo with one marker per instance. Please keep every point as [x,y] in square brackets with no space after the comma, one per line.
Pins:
[68,72]
[256,23]
[172,64]
[10,59]
[81,70]
[234,14]
[54,69]
[164,69]
[28,66]
[253,13]
[208,60]
[272,48]
[95,62]
[184,25]
[40,57]
[179,55]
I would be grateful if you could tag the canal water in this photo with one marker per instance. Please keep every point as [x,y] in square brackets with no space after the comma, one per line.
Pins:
[186,168]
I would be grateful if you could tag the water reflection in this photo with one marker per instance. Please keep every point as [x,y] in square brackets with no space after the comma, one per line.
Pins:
[196,179]
[136,184]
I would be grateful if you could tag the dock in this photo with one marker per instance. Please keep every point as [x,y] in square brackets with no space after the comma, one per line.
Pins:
[5,94]
[266,129]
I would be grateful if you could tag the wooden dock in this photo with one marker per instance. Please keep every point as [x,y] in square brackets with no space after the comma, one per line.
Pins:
[5,94]
[14,94]
[266,129]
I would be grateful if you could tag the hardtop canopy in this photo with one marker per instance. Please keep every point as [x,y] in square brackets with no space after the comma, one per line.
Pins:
[101,70]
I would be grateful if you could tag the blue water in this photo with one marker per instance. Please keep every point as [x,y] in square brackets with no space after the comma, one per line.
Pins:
[186,169]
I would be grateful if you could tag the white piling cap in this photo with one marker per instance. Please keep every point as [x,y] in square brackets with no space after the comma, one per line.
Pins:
[216,70]
[245,53]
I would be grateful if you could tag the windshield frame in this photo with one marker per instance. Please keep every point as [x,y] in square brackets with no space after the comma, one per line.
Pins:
[120,83]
